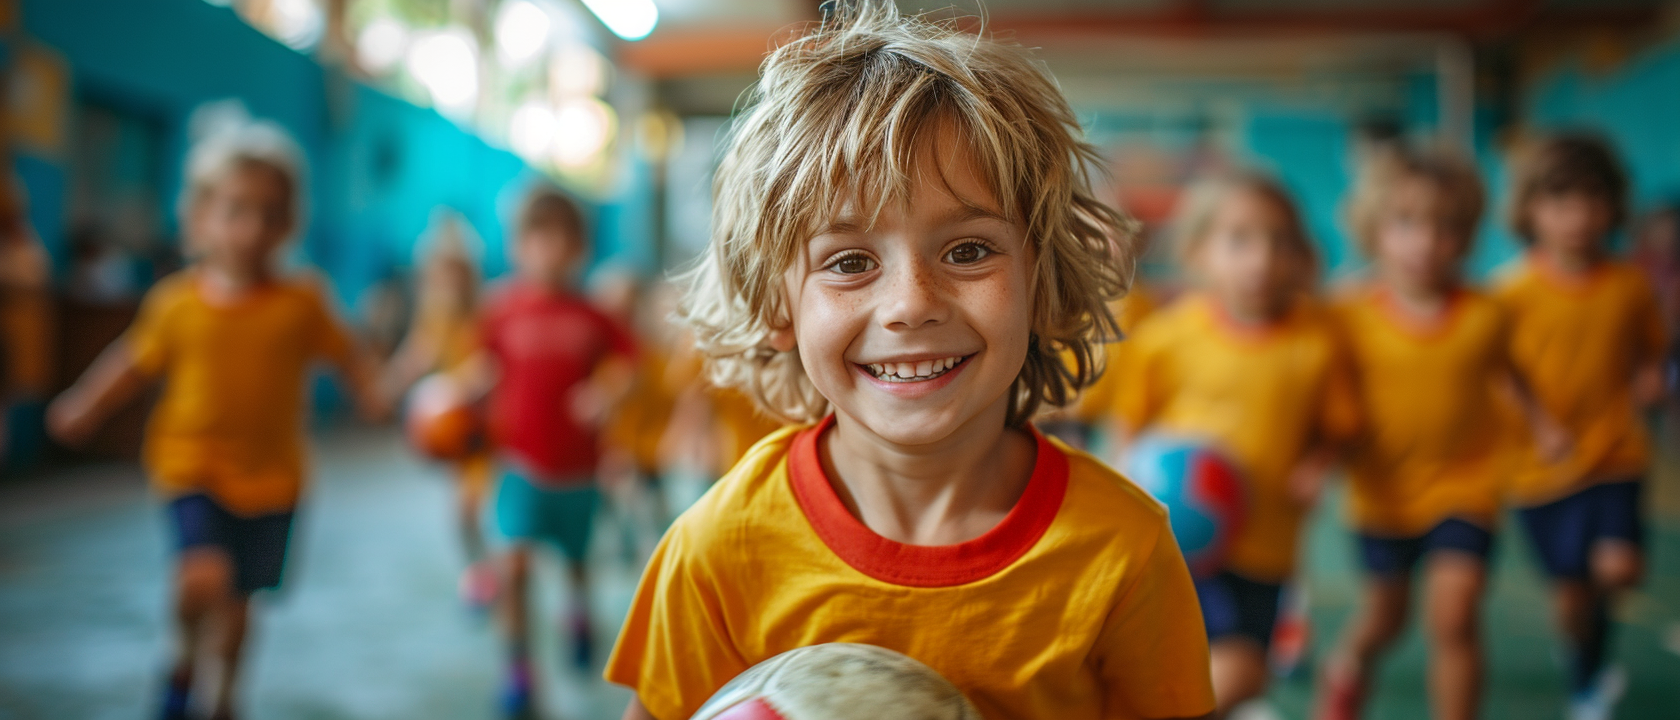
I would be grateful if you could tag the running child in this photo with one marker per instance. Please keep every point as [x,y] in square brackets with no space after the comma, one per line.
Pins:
[1250,362]
[444,338]
[1427,470]
[1587,334]
[905,246]
[232,340]
[543,343]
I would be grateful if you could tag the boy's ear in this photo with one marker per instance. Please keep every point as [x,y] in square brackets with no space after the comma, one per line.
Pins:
[782,339]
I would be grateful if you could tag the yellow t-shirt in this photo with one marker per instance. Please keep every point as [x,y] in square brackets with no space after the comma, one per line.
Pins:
[1263,396]
[1435,444]
[1077,605]
[638,423]
[230,423]
[740,424]
[456,337]
[1579,344]
[1096,401]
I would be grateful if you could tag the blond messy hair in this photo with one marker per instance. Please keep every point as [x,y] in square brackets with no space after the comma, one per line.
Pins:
[1193,219]
[846,111]
[1456,179]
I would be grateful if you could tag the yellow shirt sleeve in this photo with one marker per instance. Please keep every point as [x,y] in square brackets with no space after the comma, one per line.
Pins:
[148,338]
[1139,400]
[332,340]
[1152,653]
[675,647]
[1340,414]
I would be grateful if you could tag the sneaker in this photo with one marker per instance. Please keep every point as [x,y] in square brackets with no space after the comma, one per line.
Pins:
[583,642]
[1339,699]
[478,586]
[176,699]
[1599,701]
[517,702]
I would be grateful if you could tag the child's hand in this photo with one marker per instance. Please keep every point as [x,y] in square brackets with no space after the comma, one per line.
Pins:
[70,420]
[1648,386]
[1306,480]
[1552,441]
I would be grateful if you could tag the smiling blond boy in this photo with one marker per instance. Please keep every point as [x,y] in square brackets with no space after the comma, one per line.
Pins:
[905,250]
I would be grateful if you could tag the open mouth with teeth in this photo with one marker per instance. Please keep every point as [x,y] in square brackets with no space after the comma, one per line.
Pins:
[914,372]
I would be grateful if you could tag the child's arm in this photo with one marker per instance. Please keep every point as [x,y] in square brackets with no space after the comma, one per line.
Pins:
[360,372]
[1649,387]
[1552,441]
[111,382]
[1307,479]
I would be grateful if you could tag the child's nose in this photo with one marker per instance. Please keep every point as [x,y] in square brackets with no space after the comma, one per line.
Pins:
[914,297]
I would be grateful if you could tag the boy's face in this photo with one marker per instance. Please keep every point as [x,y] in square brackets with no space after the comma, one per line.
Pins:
[1417,245]
[917,326]
[1246,258]
[242,218]
[1572,222]
[546,254]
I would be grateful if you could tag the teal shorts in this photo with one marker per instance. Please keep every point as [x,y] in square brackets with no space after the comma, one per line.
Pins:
[563,515]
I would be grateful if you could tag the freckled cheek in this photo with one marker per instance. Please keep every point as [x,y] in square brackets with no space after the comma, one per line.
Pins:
[827,322]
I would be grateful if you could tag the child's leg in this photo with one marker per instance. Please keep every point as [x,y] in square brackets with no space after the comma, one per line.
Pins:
[1590,544]
[1240,673]
[203,581]
[1239,614]
[233,618]
[1454,585]
[1384,606]
[1385,602]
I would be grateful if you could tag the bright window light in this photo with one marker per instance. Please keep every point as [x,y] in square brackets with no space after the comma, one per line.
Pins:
[531,130]
[446,62]
[296,22]
[521,32]
[380,45]
[582,129]
[577,70]
[628,19]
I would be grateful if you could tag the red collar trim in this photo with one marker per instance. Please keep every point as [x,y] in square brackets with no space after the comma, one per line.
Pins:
[1248,332]
[924,565]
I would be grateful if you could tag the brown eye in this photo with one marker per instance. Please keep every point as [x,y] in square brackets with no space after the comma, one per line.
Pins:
[853,265]
[967,253]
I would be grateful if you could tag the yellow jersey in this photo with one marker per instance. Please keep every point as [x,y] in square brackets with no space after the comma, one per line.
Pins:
[230,423]
[1435,444]
[1579,344]
[1076,605]
[1097,400]
[1264,396]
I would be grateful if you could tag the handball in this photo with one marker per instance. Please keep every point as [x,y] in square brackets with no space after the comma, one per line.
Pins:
[838,681]
[441,421]
[1203,492]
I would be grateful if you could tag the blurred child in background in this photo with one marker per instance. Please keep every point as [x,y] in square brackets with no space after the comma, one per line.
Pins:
[544,350]
[232,341]
[1251,363]
[1427,470]
[1587,334]
[633,434]
[444,336]
[26,335]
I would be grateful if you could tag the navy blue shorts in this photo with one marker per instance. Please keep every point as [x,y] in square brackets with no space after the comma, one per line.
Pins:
[1235,606]
[256,546]
[1390,556]
[1564,531]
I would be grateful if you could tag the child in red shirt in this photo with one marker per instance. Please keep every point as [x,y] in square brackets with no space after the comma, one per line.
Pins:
[544,343]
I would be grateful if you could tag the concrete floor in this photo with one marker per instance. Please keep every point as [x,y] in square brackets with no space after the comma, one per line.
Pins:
[368,625]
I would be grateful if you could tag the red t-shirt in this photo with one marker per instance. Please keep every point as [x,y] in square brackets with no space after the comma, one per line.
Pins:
[546,344]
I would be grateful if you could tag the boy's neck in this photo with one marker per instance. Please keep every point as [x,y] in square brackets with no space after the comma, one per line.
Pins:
[1568,262]
[1422,300]
[943,493]
[224,283]
[1252,315]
